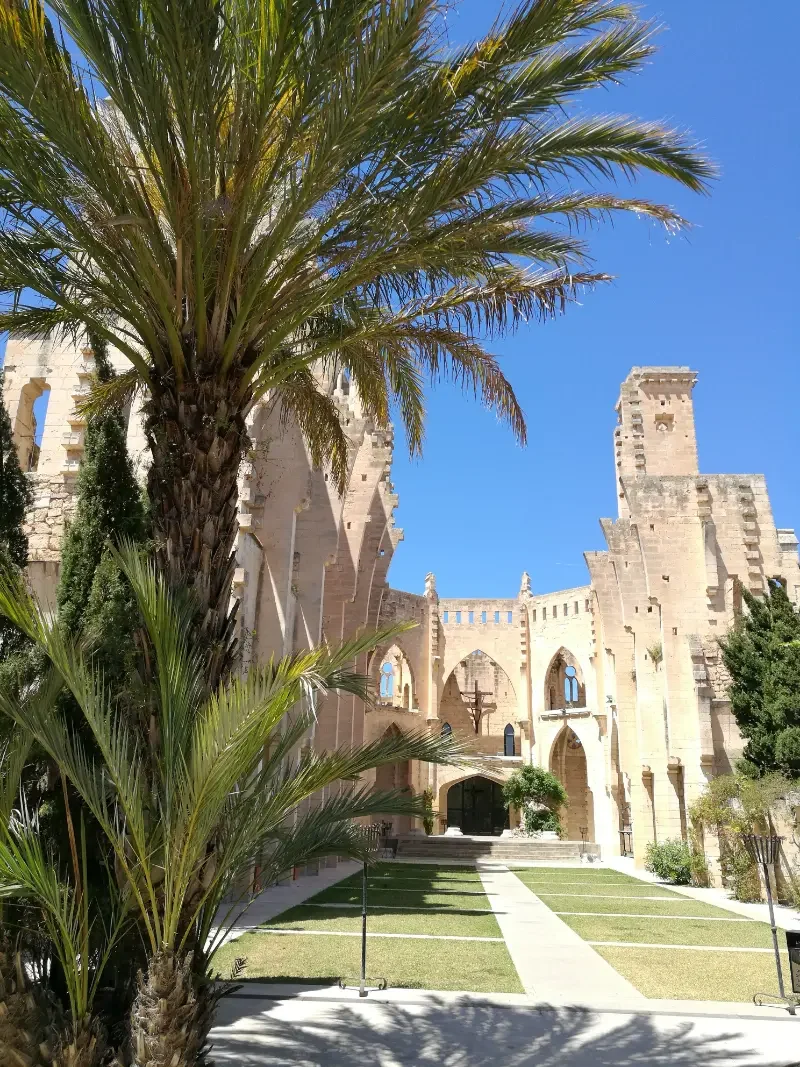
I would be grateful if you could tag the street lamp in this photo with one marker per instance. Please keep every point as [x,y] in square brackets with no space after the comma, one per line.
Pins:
[371,835]
[764,850]
[584,831]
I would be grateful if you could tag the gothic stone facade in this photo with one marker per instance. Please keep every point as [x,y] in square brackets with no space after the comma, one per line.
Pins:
[617,686]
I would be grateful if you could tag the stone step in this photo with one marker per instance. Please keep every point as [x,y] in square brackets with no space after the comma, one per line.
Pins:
[442,848]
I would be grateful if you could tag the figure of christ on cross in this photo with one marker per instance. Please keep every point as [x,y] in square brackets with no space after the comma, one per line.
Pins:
[477,706]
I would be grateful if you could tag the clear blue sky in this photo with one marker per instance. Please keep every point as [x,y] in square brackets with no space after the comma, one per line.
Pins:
[478,510]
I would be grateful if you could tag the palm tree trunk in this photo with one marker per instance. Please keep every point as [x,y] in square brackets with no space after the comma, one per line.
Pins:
[198,437]
[172,1014]
[83,1045]
[25,1022]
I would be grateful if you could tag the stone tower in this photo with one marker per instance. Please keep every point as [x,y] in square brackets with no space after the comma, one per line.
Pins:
[655,426]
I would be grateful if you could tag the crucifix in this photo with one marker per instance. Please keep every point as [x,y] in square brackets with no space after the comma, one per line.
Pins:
[477,706]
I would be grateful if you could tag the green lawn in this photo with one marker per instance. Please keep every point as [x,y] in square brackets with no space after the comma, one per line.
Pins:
[630,905]
[724,934]
[663,972]
[600,889]
[434,901]
[402,898]
[479,966]
[577,875]
[681,974]
[389,922]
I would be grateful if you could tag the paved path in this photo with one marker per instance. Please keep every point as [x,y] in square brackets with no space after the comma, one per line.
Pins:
[270,1027]
[552,961]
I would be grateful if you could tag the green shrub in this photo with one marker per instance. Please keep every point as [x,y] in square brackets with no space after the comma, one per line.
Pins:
[539,819]
[531,784]
[742,875]
[427,818]
[670,860]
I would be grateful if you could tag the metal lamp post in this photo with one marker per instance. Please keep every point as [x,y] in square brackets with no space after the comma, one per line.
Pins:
[584,830]
[372,839]
[764,850]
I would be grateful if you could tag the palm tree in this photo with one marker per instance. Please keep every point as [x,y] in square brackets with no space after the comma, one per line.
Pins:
[213,786]
[266,186]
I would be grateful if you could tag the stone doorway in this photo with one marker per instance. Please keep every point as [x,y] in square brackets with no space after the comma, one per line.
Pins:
[393,776]
[476,807]
[568,764]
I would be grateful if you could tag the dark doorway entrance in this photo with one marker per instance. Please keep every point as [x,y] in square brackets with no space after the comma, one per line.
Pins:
[476,807]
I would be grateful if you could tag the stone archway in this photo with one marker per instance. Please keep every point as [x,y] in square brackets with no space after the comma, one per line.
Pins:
[475,805]
[568,764]
[395,776]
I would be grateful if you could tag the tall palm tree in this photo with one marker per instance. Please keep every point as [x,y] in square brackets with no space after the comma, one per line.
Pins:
[264,185]
[214,785]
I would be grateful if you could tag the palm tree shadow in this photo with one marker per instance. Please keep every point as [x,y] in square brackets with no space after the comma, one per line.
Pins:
[465,1033]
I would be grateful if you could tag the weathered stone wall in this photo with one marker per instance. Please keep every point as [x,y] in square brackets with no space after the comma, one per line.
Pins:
[653,723]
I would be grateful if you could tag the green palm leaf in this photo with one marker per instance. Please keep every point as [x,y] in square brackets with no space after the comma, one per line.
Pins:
[267,188]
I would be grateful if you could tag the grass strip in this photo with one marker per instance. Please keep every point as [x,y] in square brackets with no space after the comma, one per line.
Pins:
[677,974]
[432,922]
[424,870]
[668,906]
[381,907]
[480,967]
[675,932]
[634,892]
[397,898]
[576,874]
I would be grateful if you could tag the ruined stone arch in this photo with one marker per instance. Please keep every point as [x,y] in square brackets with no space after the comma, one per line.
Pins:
[480,671]
[25,423]
[454,656]
[569,763]
[564,682]
[393,776]
[394,677]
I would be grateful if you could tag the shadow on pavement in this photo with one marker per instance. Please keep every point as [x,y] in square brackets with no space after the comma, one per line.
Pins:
[463,1033]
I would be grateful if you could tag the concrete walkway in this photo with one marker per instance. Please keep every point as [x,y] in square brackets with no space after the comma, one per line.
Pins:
[270,1026]
[552,961]
[785,918]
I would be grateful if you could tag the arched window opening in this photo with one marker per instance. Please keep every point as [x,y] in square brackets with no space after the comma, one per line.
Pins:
[29,423]
[447,729]
[508,741]
[387,680]
[394,678]
[564,684]
[570,685]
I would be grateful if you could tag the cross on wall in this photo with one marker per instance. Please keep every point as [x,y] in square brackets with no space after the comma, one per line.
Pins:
[477,706]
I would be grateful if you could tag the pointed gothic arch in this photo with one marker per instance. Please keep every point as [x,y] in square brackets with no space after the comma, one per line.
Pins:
[478,697]
[568,763]
[564,684]
[394,678]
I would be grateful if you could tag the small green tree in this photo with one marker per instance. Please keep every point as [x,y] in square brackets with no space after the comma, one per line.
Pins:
[538,794]
[15,499]
[762,655]
[427,817]
[734,804]
[109,509]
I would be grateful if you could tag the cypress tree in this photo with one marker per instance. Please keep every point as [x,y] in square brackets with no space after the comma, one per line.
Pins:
[15,499]
[762,655]
[109,508]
